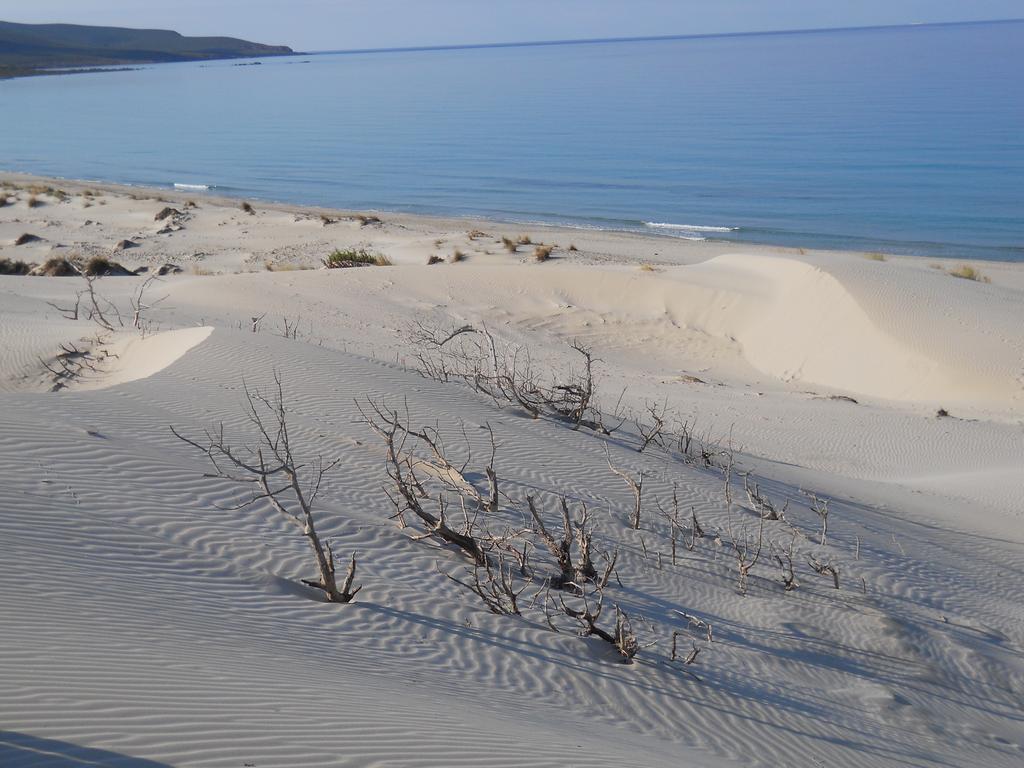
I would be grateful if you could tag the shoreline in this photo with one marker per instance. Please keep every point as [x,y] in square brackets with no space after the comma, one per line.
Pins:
[660,248]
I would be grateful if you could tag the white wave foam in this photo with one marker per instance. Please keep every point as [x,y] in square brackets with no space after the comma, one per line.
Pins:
[191,186]
[688,227]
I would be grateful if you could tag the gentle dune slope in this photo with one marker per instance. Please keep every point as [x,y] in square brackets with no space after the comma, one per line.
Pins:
[149,616]
[134,357]
[177,634]
[788,319]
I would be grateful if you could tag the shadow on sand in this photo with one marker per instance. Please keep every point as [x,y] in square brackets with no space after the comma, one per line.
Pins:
[19,750]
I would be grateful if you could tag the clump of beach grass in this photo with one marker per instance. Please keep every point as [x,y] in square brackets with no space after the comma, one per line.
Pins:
[100,266]
[543,252]
[572,247]
[647,268]
[876,257]
[476,234]
[355,257]
[525,240]
[248,209]
[57,267]
[366,220]
[967,272]
[434,259]
[458,256]
[9,267]
[510,244]
[34,202]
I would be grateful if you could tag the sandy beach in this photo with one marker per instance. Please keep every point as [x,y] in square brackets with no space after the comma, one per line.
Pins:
[167,624]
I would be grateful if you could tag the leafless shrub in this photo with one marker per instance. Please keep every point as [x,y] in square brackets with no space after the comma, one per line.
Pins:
[820,508]
[824,569]
[499,589]
[675,527]
[636,485]
[691,655]
[95,308]
[141,305]
[784,559]
[506,373]
[761,504]
[408,494]
[290,327]
[290,485]
[588,613]
[696,531]
[576,537]
[74,363]
[747,554]
[652,430]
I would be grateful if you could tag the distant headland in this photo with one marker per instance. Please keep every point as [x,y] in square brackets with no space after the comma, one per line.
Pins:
[28,49]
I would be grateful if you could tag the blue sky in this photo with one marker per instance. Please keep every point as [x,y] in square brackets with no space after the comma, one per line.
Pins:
[335,24]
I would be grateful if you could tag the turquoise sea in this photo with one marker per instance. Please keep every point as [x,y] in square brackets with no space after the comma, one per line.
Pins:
[905,139]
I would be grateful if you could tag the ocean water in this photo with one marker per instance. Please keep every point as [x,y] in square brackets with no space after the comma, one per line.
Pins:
[903,139]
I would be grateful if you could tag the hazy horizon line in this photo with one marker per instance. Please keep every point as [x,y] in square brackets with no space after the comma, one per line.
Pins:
[654,38]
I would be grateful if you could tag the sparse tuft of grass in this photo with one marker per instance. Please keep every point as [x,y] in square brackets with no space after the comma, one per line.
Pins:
[57,267]
[572,247]
[543,252]
[876,257]
[647,268]
[366,220]
[525,240]
[476,234]
[285,267]
[327,220]
[355,257]
[34,202]
[434,259]
[248,209]
[9,267]
[510,244]
[967,272]
[458,256]
[100,266]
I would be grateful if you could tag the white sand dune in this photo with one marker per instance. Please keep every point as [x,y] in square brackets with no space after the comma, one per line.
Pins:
[147,620]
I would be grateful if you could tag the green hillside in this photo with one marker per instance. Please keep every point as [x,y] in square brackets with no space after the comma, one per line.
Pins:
[25,48]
